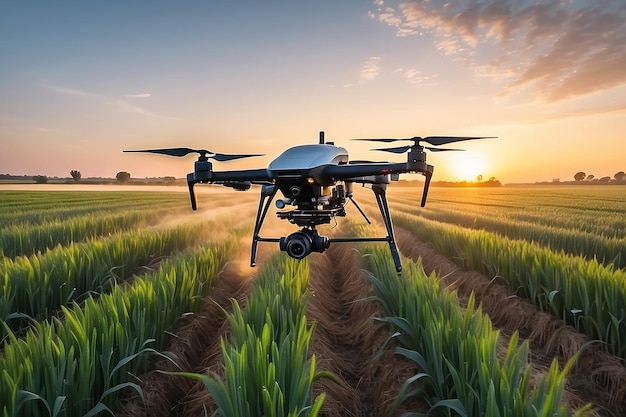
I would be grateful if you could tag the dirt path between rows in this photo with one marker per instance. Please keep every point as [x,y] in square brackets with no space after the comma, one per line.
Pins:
[198,337]
[347,339]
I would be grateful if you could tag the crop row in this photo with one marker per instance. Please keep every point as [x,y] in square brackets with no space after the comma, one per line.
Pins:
[41,207]
[608,250]
[267,368]
[58,225]
[20,240]
[584,293]
[77,366]
[34,286]
[599,212]
[455,351]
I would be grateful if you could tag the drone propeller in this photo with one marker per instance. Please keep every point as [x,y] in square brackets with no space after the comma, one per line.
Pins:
[403,149]
[179,152]
[433,140]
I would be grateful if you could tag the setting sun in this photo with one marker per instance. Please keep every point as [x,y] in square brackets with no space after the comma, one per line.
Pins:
[466,166]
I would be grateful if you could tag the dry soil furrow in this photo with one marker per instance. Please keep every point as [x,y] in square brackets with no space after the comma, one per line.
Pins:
[168,395]
[347,338]
[598,377]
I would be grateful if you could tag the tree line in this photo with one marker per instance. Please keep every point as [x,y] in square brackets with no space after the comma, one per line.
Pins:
[583,176]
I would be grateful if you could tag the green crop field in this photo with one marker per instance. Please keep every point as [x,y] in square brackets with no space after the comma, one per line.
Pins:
[512,303]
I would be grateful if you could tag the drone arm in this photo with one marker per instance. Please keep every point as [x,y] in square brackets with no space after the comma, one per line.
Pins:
[328,174]
[239,180]
[251,175]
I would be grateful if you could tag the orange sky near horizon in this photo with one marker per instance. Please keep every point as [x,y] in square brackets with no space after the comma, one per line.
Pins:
[80,82]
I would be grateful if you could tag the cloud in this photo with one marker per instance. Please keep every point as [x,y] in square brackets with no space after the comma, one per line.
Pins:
[139,95]
[370,69]
[581,112]
[68,91]
[417,77]
[557,48]
[124,106]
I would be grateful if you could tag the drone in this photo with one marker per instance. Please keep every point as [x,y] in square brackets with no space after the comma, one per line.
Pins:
[316,182]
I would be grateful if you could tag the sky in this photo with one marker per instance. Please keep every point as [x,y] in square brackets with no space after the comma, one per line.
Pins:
[80,81]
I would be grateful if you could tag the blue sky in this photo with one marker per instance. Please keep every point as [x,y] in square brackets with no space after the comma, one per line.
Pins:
[81,81]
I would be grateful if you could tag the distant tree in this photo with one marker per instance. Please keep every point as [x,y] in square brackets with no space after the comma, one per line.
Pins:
[605,180]
[580,176]
[479,178]
[493,182]
[122,176]
[556,180]
[620,176]
[590,177]
[75,174]
[40,179]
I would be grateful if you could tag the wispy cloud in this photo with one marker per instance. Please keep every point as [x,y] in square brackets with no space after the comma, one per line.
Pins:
[370,69]
[123,106]
[555,47]
[417,77]
[581,112]
[139,95]
[68,91]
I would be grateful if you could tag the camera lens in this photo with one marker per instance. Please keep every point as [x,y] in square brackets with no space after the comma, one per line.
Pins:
[298,246]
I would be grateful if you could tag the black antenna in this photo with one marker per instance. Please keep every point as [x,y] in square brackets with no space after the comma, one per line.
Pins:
[322,137]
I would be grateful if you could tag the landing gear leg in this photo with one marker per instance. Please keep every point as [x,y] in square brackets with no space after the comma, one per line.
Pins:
[267,195]
[380,191]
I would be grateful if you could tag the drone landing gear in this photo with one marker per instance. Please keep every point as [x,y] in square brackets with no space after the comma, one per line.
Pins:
[267,195]
[300,244]
[380,191]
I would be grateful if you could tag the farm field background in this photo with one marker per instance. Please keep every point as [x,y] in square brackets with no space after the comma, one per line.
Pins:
[108,297]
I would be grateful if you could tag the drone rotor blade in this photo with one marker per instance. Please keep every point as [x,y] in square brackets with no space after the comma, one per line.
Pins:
[441,149]
[433,140]
[443,140]
[170,151]
[399,149]
[386,140]
[221,157]
[179,152]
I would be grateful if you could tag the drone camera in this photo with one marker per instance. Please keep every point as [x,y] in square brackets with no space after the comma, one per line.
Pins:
[300,244]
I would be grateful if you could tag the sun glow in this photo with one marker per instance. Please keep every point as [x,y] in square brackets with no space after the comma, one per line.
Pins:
[468,167]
